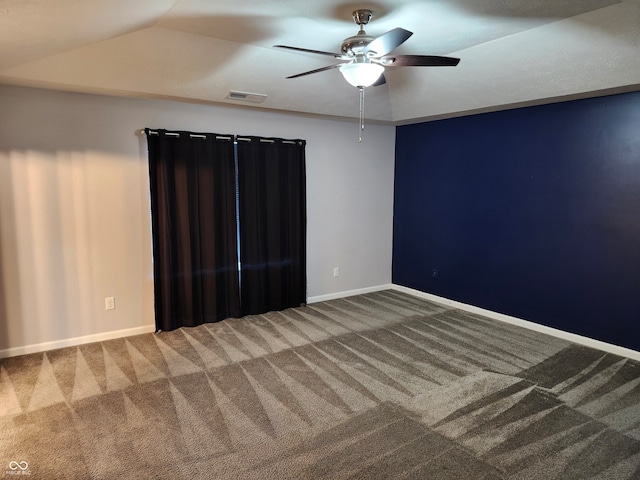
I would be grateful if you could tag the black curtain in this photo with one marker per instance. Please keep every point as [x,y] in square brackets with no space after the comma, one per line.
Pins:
[193,209]
[272,204]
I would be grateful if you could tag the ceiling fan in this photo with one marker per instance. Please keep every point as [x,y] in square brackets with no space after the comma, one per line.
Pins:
[364,58]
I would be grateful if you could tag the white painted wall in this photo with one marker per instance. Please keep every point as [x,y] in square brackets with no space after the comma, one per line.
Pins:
[74,208]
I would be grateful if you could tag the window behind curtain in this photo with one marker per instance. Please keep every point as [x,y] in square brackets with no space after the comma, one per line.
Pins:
[192,180]
[195,181]
[272,205]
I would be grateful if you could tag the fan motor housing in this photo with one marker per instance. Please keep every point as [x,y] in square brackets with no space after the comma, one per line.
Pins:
[353,45]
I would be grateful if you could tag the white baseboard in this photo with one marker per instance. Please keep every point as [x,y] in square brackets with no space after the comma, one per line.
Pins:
[72,342]
[348,293]
[571,337]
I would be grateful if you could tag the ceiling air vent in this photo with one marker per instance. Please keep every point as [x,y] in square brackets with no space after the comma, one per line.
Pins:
[246,96]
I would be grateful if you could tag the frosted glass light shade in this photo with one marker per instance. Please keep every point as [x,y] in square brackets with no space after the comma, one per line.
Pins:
[361,74]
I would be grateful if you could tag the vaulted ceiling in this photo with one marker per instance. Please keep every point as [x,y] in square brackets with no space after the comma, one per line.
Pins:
[513,52]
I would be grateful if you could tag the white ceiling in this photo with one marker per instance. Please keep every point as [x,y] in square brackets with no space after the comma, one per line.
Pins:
[513,52]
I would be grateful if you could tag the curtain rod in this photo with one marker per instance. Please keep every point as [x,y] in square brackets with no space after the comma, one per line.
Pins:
[218,137]
[175,134]
[266,140]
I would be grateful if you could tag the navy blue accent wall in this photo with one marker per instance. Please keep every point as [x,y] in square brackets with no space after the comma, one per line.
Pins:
[533,212]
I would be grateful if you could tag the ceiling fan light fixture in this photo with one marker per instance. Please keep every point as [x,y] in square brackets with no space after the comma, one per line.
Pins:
[361,74]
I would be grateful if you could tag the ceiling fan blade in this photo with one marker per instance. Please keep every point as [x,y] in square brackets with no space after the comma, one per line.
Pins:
[419,61]
[381,81]
[318,52]
[387,42]
[316,70]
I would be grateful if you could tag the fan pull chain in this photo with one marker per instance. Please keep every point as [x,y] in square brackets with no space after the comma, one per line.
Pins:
[361,126]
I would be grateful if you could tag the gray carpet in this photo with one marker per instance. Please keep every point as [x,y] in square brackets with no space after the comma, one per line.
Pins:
[382,385]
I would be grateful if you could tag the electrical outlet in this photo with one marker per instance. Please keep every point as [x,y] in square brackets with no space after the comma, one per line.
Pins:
[336,271]
[110,303]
